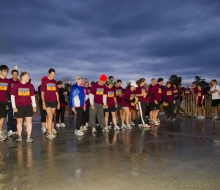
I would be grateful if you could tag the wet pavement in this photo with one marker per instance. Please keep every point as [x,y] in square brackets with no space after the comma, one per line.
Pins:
[184,155]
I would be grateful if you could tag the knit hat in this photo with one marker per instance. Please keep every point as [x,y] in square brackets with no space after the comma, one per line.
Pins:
[160,79]
[103,78]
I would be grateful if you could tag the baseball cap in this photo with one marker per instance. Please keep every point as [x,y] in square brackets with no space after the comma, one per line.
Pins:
[133,83]
[78,77]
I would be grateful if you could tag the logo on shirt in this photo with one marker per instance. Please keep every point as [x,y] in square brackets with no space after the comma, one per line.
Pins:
[199,94]
[169,93]
[175,91]
[118,92]
[100,91]
[51,87]
[143,91]
[3,86]
[23,92]
[187,92]
[132,96]
[159,90]
[110,94]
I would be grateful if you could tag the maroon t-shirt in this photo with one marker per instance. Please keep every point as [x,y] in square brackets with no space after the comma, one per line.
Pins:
[49,87]
[128,95]
[13,82]
[168,95]
[200,95]
[149,93]
[5,87]
[195,90]
[23,93]
[98,91]
[187,92]
[176,93]
[110,96]
[141,90]
[87,93]
[119,91]
[157,91]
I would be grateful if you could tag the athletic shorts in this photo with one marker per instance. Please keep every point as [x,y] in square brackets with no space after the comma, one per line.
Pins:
[110,109]
[154,106]
[201,104]
[24,111]
[215,102]
[51,104]
[3,111]
[119,107]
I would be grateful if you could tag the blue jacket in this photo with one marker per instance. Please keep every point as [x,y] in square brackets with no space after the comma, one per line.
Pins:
[77,96]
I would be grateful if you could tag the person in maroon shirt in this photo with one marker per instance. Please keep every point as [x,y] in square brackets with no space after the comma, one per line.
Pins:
[176,93]
[5,87]
[98,98]
[151,100]
[141,94]
[85,122]
[111,105]
[168,100]
[11,123]
[156,95]
[119,92]
[50,101]
[187,92]
[23,104]
[126,102]
[194,90]
[200,102]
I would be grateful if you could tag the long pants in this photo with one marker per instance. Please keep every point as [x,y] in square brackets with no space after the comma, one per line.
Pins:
[11,123]
[43,114]
[170,110]
[86,116]
[142,108]
[100,115]
[79,117]
[60,114]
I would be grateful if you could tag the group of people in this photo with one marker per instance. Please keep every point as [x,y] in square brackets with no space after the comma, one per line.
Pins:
[101,103]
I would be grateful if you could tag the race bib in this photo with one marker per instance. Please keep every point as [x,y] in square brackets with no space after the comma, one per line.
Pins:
[118,92]
[110,94]
[169,93]
[4,86]
[51,87]
[159,90]
[100,91]
[23,92]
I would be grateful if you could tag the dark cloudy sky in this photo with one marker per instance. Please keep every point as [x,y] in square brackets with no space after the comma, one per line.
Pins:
[128,39]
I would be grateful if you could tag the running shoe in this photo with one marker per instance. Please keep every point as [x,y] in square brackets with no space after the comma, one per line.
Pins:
[109,127]
[116,128]
[123,126]
[200,117]
[19,139]
[44,130]
[50,136]
[174,119]
[94,130]
[105,130]
[215,118]
[132,123]
[168,119]
[158,120]
[156,123]
[58,125]
[140,125]
[87,124]
[54,131]
[128,127]
[83,128]
[10,133]
[203,117]
[62,125]
[30,140]
[146,126]
[79,132]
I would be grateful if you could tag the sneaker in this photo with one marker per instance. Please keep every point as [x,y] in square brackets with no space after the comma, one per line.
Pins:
[128,127]
[146,126]
[158,120]
[44,130]
[140,125]
[174,119]
[116,128]
[110,123]
[2,136]
[19,139]
[50,136]
[94,130]
[62,125]
[83,128]
[200,117]
[215,118]
[58,125]
[54,131]
[79,132]
[203,117]
[132,123]
[30,140]
[123,126]
[156,123]
[109,127]
[87,124]
[168,119]
[10,133]
[105,130]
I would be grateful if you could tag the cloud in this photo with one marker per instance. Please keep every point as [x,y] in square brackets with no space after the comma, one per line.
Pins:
[126,39]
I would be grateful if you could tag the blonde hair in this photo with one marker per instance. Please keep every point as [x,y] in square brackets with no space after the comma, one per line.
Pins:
[22,74]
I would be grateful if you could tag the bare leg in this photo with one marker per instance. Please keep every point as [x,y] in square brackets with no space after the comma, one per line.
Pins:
[29,125]
[19,126]
[106,118]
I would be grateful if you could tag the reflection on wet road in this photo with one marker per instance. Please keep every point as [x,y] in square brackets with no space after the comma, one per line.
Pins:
[184,155]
